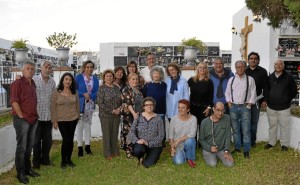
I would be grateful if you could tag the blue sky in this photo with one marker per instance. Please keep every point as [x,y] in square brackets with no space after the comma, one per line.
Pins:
[97,21]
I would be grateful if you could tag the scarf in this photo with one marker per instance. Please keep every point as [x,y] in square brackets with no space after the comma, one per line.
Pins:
[226,75]
[174,84]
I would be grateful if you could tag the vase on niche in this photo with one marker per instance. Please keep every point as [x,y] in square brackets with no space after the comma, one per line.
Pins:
[190,55]
[63,56]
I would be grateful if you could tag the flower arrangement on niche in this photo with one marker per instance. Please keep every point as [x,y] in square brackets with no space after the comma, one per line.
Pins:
[142,51]
[287,51]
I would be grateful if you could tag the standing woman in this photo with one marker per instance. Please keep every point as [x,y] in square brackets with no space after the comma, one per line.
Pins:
[65,115]
[87,87]
[157,90]
[202,91]
[120,77]
[132,105]
[147,133]
[109,101]
[177,89]
[132,68]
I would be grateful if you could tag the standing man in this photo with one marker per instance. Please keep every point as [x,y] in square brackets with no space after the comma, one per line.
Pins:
[215,136]
[45,85]
[281,90]
[260,76]
[145,72]
[23,100]
[240,96]
[220,76]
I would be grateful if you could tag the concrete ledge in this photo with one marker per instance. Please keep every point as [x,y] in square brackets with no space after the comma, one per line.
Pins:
[7,147]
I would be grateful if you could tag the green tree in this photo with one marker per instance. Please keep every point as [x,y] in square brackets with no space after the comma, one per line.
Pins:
[277,11]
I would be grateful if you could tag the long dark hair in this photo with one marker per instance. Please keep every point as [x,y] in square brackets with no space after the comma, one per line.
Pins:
[123,79]
[60,86]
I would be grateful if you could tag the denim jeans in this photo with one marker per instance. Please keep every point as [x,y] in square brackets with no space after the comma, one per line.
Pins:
[240,121]
[25,133]
[42,142]
[211,159]
[188,152]
[163,117]
[254,120]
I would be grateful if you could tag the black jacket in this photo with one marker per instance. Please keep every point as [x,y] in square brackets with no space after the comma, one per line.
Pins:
[280,91]
[260,76]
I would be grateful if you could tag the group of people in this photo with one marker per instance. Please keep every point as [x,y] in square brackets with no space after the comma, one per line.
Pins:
[203,111]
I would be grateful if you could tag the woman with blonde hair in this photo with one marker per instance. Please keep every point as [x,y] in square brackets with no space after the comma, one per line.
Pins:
[201,93]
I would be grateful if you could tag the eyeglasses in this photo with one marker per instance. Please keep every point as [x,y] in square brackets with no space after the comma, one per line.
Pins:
[148,105]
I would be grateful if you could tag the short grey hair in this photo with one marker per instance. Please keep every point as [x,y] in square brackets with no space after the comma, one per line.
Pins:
[219,59]
[240,61]
[28,63]
[157,69]
[44,62]
[279,60]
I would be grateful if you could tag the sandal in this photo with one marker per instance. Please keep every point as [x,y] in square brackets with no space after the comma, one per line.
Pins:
[129,155]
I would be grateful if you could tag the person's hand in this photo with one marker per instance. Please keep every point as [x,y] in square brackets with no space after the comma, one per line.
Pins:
[116,111]
[228,156]
[264,105]
[55,125]
[173,151]
[135,115]
[18,77]
[87,96]
[141,141]
[214,149]
[206,112]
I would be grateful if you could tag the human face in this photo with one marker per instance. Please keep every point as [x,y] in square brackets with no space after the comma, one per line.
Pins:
[134,81]
[219,111]
[89,68]
[240,68]
[253,61]
[132,69]
[119,74]
[173,71]
[202,69]
[278,66]
[218,66]
[28,71]
[67,82]
[156,76]
[150,61]
[46,70]
[182,109]
[108,78]
[148,106]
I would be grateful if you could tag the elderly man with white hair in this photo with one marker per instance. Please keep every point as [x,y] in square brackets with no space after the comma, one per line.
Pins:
[281,90]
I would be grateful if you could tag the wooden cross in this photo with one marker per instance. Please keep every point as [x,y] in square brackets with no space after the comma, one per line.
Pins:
[244,37]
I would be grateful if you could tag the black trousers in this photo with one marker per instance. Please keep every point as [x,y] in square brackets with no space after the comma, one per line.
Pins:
[42,142]
[67,130]
[152,154]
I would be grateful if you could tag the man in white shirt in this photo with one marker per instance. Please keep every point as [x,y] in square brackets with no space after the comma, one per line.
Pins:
[145,72]
[240,95]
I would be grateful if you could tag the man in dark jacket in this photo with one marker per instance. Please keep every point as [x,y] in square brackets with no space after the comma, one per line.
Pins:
[260,76]
[281,90]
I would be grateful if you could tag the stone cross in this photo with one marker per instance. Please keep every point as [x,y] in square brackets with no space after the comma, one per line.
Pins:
[244,38]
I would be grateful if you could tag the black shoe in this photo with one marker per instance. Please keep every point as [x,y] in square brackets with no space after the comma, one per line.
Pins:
[47,163]
[22,178]
[247,155]
[236,151]
[63,165]
[36,165]
[32,173]
[87,148]
[80,151]
[284,148]
[268,146]
[71,164]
